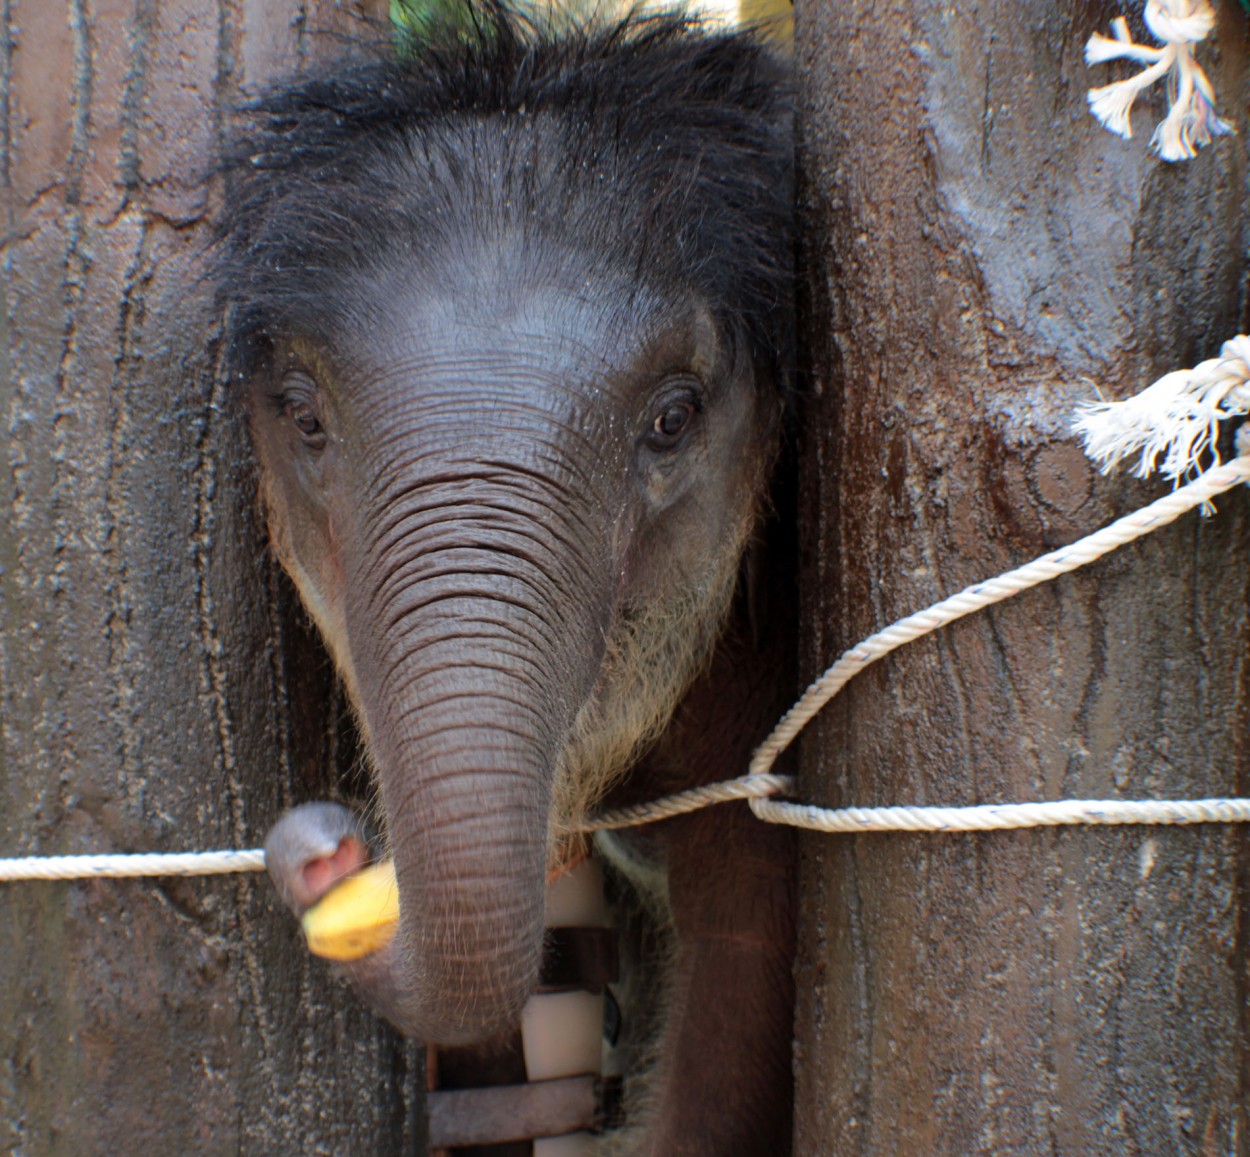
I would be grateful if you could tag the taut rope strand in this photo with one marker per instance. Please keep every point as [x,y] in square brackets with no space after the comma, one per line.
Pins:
[153,864]
[752,787]
[995,816]
[985,594]
[755,785]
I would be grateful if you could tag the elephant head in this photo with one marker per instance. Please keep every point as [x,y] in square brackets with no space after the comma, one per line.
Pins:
[510,318]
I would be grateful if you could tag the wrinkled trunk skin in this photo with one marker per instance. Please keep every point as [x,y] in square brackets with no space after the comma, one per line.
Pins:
[471,881]
[464,767]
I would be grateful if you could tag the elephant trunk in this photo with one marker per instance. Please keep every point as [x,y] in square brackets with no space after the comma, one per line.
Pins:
[466,807]
[473,648]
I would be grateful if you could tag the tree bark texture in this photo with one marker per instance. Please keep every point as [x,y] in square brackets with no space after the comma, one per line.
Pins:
[979,254]
[161,690]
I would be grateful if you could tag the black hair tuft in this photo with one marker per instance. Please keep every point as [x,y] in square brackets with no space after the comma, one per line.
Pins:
[665,148]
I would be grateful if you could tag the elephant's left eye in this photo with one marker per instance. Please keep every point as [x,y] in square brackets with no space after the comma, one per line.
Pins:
[672,421]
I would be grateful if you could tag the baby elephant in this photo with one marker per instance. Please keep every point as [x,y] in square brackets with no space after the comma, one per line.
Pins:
[511,315]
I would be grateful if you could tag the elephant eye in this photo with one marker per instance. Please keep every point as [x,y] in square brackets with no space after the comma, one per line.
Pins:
[671,423]
[303,417]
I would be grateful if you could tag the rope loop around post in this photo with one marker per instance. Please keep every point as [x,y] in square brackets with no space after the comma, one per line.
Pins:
[983,817]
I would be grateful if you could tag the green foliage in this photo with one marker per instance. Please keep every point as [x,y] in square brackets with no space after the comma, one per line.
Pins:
[418,21]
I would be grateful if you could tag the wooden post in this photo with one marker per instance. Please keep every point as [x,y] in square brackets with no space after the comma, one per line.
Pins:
[160,690]
[979,255]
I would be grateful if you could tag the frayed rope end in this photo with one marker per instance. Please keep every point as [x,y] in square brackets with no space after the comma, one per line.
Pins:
[1191,121]
[1172,425]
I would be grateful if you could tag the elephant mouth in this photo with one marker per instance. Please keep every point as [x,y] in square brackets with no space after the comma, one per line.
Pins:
[651,658]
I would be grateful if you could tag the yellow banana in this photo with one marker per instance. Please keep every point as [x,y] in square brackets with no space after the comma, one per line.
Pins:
[357,916]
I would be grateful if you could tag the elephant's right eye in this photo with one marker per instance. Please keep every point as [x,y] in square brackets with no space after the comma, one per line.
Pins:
[301,414]
[297,407]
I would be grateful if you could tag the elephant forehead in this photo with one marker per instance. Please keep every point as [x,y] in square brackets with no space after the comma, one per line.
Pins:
[514,318]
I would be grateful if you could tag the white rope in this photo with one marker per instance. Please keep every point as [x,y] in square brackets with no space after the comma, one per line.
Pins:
[974,598]
[747,787]
[176,864]
[994,816]
[985,594]
[760,782]
[1191,121]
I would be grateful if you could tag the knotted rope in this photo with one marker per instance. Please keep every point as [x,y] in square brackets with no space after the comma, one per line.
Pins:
[1191,121]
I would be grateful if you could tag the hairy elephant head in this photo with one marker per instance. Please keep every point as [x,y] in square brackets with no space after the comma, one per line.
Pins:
[510,317]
